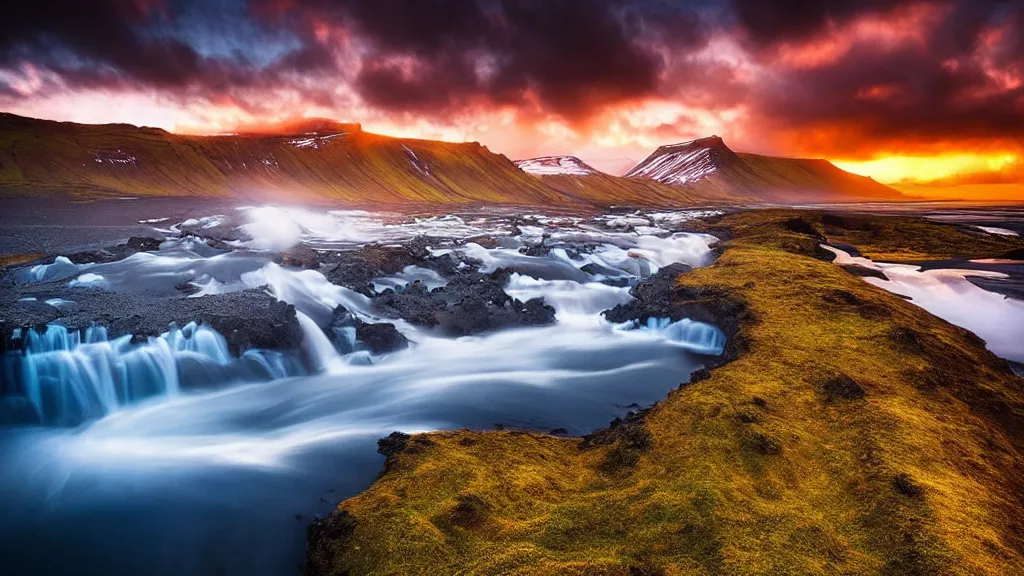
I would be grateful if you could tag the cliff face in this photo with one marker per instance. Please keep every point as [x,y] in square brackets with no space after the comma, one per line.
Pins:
[336,161]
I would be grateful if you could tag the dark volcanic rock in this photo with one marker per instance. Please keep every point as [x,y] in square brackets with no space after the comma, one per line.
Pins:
[535,249]
[247,319]
[863,271]
[115,253]
[653,298]
[143,244]
[356,269]
[324,535]
[1012,287]
[381,338]
[660,297]
[471,303]
[300,256]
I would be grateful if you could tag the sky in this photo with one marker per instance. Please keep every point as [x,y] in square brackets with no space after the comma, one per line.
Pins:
[925,95]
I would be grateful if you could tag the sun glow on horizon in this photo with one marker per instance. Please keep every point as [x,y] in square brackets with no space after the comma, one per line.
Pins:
[901,169]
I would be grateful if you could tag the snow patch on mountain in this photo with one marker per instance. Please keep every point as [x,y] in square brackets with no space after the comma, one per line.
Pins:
[555,165]
[114,157]
[314,141]
[678,163]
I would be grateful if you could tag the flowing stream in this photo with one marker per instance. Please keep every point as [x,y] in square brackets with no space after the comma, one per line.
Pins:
[171,456]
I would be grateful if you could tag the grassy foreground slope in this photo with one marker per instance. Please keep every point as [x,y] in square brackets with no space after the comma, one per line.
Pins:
[850,432]
[337,162]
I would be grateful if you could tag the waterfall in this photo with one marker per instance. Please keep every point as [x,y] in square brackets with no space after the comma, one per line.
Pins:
[693,336]
[71,377]
[318,349]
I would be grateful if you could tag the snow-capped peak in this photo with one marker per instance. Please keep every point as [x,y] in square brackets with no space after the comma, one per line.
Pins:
[681,163]
[555,165]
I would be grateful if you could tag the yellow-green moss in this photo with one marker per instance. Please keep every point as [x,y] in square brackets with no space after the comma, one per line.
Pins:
[756,470]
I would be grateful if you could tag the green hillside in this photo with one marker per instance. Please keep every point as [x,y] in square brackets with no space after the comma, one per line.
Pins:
[41,157]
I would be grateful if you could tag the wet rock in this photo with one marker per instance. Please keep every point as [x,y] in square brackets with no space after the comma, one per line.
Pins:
[381,338]
[246,319]
[325,536]
[488,242]
[143,244]
[393,444]
[378,338]
[356,269]
[660,297]
[114,253]
[1012,287]
[470,304]
[300,256]
[99,256]
[700,375]
[864,271]
[652,298]
[534,250]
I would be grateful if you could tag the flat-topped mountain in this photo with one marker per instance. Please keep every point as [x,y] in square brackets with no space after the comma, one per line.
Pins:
[326,161]
[710,168]
[555,166]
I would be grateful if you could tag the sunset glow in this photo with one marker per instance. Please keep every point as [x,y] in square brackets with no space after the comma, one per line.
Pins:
[887,92]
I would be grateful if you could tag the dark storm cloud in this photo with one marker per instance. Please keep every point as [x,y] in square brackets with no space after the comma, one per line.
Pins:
[432,57]
[958,79]
[151,44]
[571,56]
[767,22]
[961,74]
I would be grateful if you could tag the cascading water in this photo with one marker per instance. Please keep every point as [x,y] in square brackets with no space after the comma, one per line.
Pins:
[694,336]
[226,478]
[69,380]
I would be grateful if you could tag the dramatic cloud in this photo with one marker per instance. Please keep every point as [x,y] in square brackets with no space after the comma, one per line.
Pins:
[877,84]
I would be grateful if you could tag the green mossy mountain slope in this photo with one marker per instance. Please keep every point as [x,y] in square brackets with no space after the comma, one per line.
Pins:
[338,163]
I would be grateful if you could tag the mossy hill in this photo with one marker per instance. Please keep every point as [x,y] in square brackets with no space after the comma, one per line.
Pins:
[847,432]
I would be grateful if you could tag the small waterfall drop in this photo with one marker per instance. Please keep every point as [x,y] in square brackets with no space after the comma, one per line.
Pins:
[318,349]
[694,336]
[72,376]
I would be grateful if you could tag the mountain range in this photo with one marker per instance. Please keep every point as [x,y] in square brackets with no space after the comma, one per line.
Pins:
[322,159]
